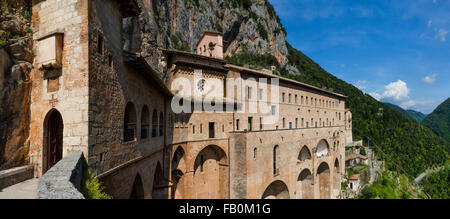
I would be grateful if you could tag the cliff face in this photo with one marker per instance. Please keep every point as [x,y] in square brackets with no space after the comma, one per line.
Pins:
[15,58]
[247,25]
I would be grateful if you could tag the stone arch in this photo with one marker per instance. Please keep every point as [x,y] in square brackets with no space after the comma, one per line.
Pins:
[305,185]
[129,123]
[158,191]
[323,148]
[137,191]
[211,174]
[323,173]
[53,139]
[304,154]
[178,172]
[336,178]
[276,190]
[145,123]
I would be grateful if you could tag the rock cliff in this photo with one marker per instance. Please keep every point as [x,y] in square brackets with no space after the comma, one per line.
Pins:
[15,65]
[247,25]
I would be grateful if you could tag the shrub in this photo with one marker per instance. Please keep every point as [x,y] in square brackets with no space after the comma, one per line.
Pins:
[92,188]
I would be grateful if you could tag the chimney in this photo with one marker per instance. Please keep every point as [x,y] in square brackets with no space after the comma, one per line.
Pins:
[211,45]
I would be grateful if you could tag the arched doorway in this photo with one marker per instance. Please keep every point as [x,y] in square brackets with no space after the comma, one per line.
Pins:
[323,172]
[276,190]
[336,179]
[178,170]
[159,189]
[305,185]
[211,174]
[137,192]
[53,137]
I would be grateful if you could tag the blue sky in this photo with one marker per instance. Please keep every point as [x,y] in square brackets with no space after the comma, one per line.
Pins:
[396,50]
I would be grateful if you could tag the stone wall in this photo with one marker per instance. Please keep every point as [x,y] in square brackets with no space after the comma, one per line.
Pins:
[15,175]
[63,181]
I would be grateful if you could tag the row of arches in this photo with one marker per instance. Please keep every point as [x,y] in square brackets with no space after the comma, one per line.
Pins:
[130,123]
[138,191]
[305,184]
[305,154]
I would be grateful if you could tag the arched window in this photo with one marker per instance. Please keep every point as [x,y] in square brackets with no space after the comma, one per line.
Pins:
[129,131]
[161,124]
[276,154]
[155,124]
[145,123]
[304,154]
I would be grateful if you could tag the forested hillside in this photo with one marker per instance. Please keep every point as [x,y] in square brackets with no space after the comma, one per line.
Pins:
[408,147]
[437,185]
[439,120]
[410,113]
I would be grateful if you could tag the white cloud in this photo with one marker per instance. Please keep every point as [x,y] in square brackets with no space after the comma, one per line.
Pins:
[442,34]
[430,79]
[361,84]
[375,95]
[396,90]
[398,93]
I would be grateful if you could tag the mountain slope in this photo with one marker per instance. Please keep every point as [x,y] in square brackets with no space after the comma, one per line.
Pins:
[418,116]
[439,120]
[407,146]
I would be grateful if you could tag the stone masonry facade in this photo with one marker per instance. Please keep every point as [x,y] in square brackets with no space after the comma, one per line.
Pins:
[101,98]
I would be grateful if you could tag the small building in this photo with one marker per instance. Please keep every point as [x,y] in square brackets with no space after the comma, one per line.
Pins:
[354,182]
[354,159]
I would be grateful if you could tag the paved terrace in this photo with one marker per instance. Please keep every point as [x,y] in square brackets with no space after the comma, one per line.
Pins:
[23,190]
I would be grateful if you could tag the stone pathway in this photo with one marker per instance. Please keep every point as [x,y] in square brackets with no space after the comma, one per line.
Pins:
[23,190]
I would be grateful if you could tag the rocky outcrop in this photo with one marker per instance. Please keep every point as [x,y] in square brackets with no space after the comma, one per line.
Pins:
[249,25]
[16,56]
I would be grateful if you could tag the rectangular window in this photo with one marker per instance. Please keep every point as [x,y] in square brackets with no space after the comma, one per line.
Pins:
[250,122]
[260,123]
[296,99]
[289,98]
[249,93]
[303,122]
[211,130]
[284,122]
[100,44]
[273,110]
[193,129]
[201,128]
[260,94]
[307,124]
[282,97]
[237,124]
[290,125]
[296,123]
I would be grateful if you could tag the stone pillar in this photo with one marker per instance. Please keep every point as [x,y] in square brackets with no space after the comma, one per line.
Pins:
[238,166]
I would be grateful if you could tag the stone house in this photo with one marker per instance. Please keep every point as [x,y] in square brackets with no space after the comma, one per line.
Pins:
[93,92]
